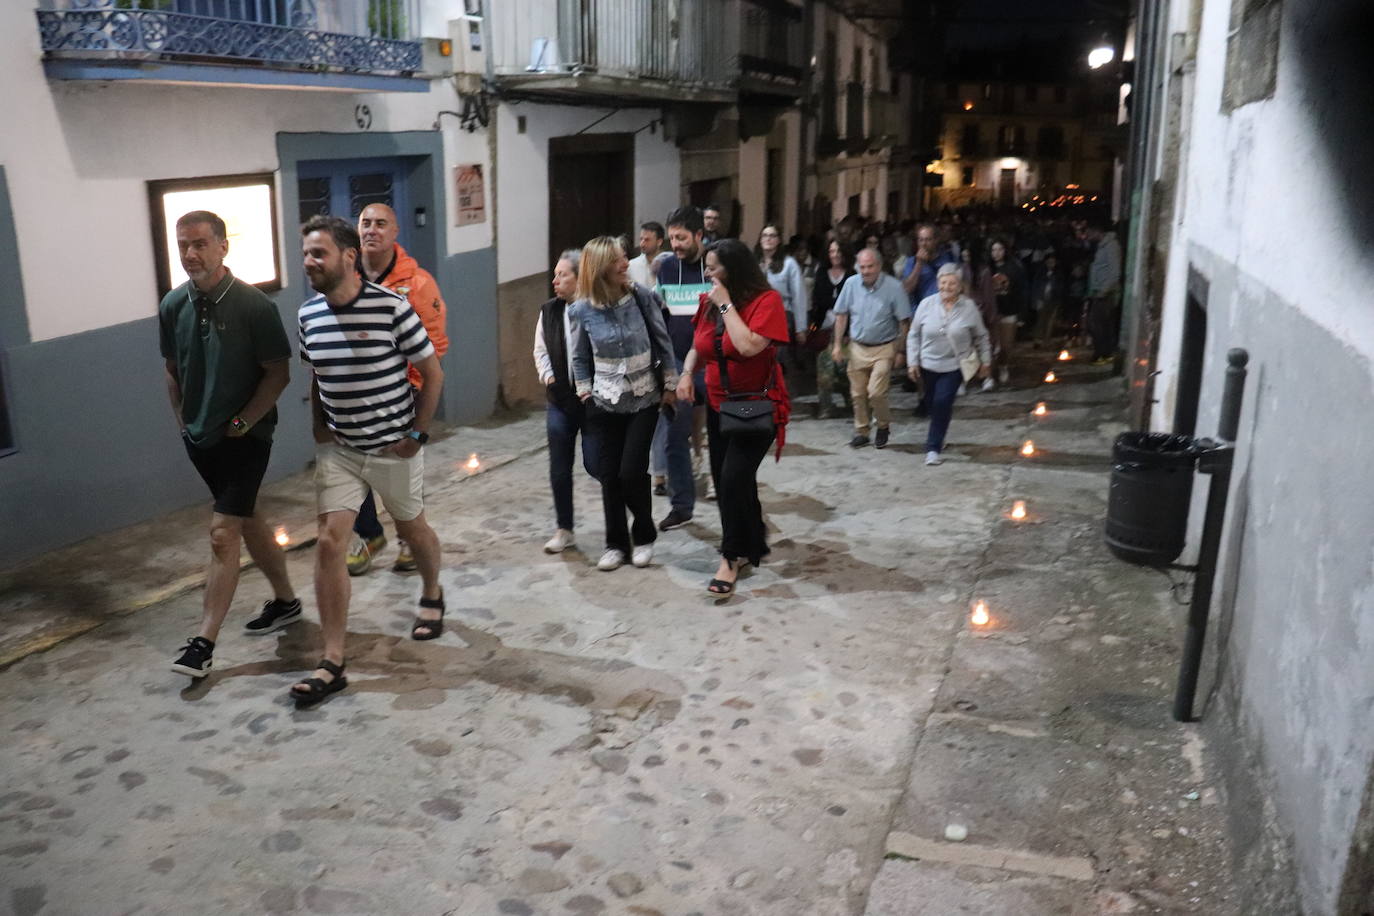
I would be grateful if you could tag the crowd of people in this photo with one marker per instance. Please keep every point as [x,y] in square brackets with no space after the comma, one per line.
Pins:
[678,360]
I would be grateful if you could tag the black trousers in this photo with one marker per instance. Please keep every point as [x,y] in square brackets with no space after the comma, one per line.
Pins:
[623,441]
[1102,327]
[735,464]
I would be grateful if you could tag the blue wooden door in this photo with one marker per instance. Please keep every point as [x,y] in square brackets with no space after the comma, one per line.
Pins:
[343,187]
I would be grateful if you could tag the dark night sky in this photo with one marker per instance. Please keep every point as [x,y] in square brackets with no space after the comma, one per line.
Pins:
[989,23]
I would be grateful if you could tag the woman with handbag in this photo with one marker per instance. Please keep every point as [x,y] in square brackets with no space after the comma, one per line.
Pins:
[946,346]
[624,373]
[739,326]
[830,276]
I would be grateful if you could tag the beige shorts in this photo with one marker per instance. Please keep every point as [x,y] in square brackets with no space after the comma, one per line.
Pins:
[343,476]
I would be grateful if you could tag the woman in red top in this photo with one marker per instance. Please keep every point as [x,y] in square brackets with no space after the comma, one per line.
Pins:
[749,318]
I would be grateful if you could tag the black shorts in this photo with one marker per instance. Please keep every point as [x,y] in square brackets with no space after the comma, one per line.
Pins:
[233,470]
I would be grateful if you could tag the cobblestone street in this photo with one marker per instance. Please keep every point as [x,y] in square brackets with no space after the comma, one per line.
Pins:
[586,742]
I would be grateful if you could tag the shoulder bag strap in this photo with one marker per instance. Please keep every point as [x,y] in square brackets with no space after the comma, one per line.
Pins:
[724,370]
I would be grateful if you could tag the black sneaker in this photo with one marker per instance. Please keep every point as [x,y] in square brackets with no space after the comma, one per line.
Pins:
[880,441]
[859,441]
[275,614]
[660,489]
[674,519]
[196,658]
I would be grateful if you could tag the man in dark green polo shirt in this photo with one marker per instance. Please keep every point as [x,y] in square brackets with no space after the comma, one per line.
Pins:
[227,359]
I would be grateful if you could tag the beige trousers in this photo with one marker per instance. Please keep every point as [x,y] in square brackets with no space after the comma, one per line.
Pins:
[870,374]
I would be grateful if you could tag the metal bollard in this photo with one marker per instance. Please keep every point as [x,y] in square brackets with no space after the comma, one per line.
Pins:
[1216,459]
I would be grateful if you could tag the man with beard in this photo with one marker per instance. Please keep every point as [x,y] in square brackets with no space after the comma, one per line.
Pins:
[369,426]
[681,282]
[227,360]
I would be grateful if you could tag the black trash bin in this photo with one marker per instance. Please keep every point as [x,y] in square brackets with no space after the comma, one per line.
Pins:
[1147,503]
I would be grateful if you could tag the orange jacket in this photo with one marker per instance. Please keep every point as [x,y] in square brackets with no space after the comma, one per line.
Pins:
[411,280]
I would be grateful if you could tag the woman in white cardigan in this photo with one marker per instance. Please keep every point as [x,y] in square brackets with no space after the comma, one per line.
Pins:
[946,328]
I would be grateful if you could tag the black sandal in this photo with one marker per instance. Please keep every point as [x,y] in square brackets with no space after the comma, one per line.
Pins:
[721,588]
[316,689]
[435,627]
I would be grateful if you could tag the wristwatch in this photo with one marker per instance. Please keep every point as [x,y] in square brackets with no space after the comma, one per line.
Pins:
[418,436]
[725,307]
[239,424]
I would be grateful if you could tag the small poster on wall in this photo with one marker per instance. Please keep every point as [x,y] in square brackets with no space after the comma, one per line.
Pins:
[472,207]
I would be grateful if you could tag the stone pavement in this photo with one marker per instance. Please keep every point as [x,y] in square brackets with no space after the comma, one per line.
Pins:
[584,742]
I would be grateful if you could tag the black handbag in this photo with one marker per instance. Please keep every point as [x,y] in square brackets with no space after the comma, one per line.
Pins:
[745,413]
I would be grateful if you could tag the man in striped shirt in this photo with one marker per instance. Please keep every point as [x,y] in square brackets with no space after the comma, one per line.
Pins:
[358,338]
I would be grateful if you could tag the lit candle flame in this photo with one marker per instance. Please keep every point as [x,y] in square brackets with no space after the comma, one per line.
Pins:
[1050,377]
[980,616]
[1018,509]
[472,464]
[1040,409]
[1064,356]
[282,537]
[1028,449]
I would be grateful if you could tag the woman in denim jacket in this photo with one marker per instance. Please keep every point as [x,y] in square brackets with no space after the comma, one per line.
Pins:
[623,372]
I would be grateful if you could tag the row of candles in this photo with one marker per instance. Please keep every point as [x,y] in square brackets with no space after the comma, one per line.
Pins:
[979,616]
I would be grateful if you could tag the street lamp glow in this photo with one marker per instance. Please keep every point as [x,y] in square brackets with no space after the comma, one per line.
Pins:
[1100,57]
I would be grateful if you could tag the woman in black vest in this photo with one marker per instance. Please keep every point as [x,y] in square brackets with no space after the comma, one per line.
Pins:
[565,415]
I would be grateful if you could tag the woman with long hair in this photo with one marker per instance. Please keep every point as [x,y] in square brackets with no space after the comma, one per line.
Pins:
[624,373]
[564,415]
[739,326]
[1009,291]
[784,275]
[837,267]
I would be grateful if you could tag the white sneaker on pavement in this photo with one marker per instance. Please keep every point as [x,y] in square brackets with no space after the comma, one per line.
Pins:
[562,539]
[963,390]
[933,458]
[989,384]
[611,559]
[643,555]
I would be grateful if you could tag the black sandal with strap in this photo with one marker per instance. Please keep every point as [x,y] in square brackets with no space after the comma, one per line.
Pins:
[316,689]
[435,627]
[721,588]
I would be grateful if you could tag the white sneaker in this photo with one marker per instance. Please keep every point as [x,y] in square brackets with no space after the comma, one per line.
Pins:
[611,559]
[642,555]
[562,539]
[933,458]
[963,390]
[989,384]
[710,489]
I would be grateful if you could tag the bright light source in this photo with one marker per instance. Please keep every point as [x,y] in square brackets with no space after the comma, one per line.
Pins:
[1050,378]
[1064,356]
[282,537]
[968,106]
[472,465]
[1040,409]
[1018,509]
[1100,57]
[1010,162]
[980,616]
[1028,449]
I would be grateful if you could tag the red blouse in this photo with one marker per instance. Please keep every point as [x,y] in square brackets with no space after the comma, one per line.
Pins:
[765,316]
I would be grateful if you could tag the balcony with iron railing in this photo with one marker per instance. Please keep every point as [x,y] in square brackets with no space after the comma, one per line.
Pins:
[664,50]
[325,44]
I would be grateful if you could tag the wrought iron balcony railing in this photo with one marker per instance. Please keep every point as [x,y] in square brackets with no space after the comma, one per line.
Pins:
[355,36]
[772,52]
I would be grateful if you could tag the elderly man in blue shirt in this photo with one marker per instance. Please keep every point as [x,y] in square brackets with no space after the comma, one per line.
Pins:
[874,310]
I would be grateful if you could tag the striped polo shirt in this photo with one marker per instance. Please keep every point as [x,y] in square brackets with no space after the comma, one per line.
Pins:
[359,352]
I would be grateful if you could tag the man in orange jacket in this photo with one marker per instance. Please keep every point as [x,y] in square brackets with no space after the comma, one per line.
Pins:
[387,264]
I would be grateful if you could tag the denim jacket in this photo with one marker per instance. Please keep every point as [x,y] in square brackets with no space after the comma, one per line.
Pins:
[623,363]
